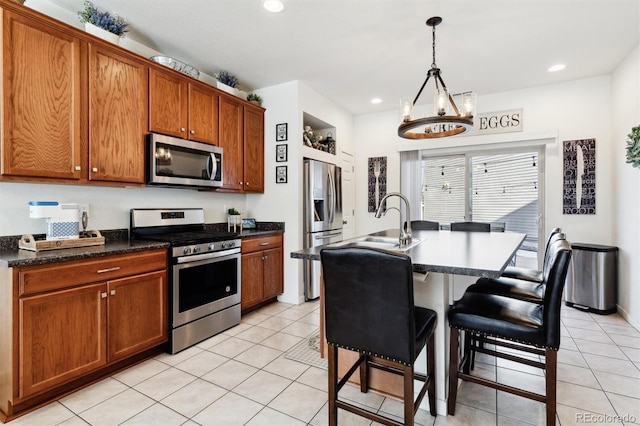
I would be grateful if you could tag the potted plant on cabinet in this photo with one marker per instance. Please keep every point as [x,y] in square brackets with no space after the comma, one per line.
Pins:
[254,99]
[226,81]
[102,24]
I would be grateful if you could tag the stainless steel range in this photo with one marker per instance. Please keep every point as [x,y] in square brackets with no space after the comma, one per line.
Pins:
[204,276]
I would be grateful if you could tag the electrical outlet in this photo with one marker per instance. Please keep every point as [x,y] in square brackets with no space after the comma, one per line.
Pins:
[226,208]
[84,207]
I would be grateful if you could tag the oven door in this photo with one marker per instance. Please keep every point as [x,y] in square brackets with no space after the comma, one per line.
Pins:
[202,287]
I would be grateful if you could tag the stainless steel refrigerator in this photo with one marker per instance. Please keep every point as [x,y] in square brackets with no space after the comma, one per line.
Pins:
[322,216]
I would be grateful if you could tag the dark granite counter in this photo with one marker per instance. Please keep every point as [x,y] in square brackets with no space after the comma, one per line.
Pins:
[116,242]
[481,254]
[16,257]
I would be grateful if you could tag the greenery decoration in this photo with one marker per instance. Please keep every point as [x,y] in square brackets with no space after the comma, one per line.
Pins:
[254,97]
[633,147]
[112,23]
[227,78]
[233,211]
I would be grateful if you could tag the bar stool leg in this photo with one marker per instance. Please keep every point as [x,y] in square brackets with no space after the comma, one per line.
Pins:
[333,384]
[431,372]
[409,411]
[364,374]
[551,361]
[453,371]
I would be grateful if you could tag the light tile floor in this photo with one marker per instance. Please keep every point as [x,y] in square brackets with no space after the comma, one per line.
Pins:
[241,377]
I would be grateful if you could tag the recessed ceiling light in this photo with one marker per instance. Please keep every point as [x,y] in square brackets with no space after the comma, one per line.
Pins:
[376,100]
[557,67]
[273,6]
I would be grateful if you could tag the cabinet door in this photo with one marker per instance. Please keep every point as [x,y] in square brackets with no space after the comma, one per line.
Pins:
[167,104]
[137,314]
[230,139]
[273,273]
[253,150]
[41,100]
[252,279]
[203,114]
[62,336]
[117,116]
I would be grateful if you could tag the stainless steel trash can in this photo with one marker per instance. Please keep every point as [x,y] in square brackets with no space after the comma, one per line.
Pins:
[592,279]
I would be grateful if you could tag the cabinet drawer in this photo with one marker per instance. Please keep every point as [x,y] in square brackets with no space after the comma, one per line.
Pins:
[35,279]
[261,243]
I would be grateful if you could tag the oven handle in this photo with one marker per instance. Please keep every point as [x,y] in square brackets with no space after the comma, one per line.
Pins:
[206,256]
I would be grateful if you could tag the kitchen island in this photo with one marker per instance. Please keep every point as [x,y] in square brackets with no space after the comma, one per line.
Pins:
[437,257]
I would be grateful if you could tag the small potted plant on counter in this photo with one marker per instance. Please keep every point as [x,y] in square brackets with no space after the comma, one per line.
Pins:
[254,99]
[102,24]
[233,219]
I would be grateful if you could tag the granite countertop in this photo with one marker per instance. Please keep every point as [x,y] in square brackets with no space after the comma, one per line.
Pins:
[482,254]
[116,242]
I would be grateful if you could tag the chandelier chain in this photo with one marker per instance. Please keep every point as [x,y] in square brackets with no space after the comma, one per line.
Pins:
[433,46]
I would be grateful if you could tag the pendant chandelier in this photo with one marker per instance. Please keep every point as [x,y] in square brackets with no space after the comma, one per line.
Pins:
[441,124]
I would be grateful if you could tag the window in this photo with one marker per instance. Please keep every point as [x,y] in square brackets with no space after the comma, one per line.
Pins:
[499,188]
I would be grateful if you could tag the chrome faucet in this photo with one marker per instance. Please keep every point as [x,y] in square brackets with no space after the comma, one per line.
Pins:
[405,234]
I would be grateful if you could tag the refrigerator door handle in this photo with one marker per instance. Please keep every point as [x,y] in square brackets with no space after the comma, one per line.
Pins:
[325,237]
[332,197]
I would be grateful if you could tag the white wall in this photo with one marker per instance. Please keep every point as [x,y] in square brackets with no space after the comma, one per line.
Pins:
[626,184]
[286,103]
[575,110]
[109,207]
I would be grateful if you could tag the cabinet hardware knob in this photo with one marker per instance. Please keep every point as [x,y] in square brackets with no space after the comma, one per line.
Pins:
[94,169]
[240,182]
[246,183]
[182,129]
[103,294]
[78,168]
[265,258]
[112,293]
[193,132]
[102,271]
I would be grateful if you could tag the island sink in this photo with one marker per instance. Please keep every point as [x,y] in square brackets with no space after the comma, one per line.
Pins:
[385,243]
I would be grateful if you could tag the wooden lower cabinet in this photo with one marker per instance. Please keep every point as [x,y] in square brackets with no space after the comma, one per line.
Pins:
[137,314]
[62,336]
[79,319]
[262,270]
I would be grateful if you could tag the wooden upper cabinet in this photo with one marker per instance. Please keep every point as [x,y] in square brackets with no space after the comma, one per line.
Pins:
[41,102]
[231,141]
[203,114]
[168,103]
[253,149]
[117,116]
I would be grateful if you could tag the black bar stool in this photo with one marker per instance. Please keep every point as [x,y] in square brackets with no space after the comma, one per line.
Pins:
[514,324]
[369,309]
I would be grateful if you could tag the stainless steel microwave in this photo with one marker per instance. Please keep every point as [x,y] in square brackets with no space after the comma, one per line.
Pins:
[179,162]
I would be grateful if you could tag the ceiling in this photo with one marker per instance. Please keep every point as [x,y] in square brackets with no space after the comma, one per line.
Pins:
[353,50]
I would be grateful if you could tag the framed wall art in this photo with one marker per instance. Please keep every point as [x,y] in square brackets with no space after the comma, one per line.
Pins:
[281,174]
[377,182]
[281,153]
[281,132]
[579,186]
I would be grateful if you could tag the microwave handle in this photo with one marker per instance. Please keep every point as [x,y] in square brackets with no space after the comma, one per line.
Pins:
[212,166]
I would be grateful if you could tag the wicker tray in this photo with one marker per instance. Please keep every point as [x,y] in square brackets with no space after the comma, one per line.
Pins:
[28,242]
